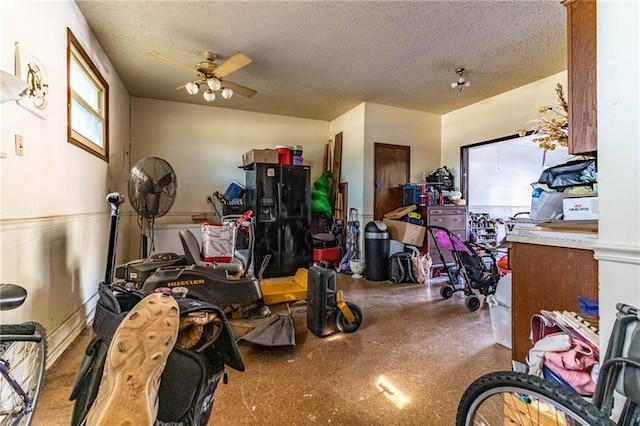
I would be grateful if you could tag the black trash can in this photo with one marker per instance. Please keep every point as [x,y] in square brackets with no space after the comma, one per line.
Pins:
[376,250]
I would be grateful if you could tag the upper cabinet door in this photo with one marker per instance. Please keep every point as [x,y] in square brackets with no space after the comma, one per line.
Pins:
[581,54]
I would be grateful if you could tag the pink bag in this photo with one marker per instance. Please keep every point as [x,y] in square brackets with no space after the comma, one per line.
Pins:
[541,326]
[574,366]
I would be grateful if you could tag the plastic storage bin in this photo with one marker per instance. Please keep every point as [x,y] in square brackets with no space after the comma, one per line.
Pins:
[500,312]
[500,322]
[546,205]
[284,154]
[234,191]
[411,195]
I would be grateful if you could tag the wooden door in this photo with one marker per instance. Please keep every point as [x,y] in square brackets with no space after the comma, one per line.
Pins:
[391,172]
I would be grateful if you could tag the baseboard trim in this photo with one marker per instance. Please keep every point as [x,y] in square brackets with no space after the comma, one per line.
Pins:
[617,253]
[60,339]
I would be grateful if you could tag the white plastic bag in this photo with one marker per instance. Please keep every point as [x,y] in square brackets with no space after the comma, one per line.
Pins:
[421,266]
[218,242]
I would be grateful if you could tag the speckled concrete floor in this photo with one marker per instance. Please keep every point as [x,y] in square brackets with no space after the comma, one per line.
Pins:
[408,364]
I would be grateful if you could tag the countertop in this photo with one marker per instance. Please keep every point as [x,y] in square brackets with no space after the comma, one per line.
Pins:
[570,234]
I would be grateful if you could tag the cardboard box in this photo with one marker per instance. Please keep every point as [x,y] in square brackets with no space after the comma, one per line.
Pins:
[581,208]
[400,212]
[269,156]
[406,232]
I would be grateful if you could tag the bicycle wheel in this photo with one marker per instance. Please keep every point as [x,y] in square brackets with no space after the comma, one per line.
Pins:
[26,362]
[513,398]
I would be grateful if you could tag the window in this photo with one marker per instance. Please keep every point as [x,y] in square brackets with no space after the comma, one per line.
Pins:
[87,102]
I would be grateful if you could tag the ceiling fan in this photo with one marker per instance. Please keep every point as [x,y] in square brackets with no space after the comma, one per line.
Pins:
[212,75]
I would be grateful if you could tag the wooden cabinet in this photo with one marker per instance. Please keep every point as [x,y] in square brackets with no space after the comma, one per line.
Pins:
[454,218]
[549,278]
[581,67]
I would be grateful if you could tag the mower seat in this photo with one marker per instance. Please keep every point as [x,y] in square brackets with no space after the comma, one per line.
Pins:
[192,252]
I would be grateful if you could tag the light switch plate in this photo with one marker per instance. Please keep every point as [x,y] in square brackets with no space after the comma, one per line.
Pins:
[19,145]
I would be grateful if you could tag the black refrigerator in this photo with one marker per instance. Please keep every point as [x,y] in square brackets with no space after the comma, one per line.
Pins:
[280,197]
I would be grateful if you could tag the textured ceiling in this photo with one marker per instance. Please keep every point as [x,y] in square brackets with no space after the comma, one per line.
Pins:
[319,59]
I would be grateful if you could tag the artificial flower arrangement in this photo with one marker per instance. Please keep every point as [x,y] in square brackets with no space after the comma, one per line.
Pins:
[553,131]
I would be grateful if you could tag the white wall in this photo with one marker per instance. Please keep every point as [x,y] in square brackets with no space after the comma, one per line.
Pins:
[54,217]
[396,126]
[618,248]
[369,123]
[351,124]
[204,146]
[496,117]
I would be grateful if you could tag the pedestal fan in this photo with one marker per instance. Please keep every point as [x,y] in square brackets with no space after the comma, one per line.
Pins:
[152,191]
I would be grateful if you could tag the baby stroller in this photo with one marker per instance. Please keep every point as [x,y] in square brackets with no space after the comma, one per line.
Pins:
[470,271]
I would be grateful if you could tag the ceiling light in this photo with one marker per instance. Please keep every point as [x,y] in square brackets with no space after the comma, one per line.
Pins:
[461,83]
[209,96]
[192,88]
[214,84]
[227,93]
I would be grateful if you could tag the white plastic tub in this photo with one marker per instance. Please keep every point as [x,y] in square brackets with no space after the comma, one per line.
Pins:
[500,322]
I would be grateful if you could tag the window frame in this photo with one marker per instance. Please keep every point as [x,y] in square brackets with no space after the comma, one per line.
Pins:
[76,53]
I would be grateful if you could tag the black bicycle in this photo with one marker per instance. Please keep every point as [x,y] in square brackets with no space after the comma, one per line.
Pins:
[513,398]
[23,352]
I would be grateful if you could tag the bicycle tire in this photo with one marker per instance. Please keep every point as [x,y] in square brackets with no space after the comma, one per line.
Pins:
[523,399]
[27,361]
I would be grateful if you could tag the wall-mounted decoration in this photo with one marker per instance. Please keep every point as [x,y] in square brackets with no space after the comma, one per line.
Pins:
[31,70]
[11,87]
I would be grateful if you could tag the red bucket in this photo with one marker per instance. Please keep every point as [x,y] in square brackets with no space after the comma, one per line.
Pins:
[284,154]
[503,265]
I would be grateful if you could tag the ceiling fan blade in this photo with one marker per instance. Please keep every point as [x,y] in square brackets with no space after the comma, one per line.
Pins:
[234,63]
[241,90]
[162,57]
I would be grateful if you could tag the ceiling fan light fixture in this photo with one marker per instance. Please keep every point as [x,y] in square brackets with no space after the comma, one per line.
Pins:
[461,83]
[227,93]
[192,88]
[212,76]
[213,84]
[209,96]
